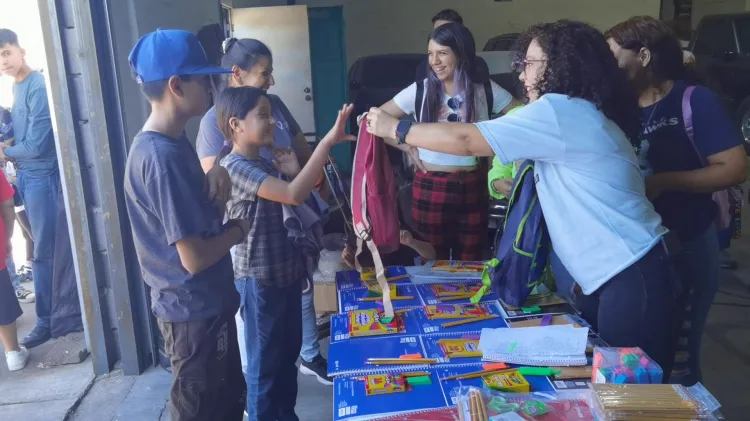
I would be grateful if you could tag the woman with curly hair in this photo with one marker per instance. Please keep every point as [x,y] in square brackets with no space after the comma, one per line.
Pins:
[681,173]
[576,126]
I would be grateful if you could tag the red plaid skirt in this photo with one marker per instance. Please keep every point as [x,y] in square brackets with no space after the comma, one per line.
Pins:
[450,211]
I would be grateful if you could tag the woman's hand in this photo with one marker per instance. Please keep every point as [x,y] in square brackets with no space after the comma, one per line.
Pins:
[406,238]
[503,186]
[347,255]
[381,124]
[286,161]
[337,134]
[654,187]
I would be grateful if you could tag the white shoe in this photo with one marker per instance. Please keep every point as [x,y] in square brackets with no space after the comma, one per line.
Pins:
[25,296]
[17,359]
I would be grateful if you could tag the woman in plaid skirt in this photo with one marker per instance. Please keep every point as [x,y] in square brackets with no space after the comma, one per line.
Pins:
[450,199]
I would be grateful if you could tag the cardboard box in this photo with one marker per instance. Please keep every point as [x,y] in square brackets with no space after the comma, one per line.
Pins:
[326,298]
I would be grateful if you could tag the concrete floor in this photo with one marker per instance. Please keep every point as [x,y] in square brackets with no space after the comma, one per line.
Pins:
[70,392]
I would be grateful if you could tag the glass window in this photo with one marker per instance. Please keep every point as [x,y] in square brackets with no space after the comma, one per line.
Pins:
[742,26]
[715,36]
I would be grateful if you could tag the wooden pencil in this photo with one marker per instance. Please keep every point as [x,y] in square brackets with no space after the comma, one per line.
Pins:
[467,321]
[477,374]
[456,297]
[400,361]
[374,299]
[417,374]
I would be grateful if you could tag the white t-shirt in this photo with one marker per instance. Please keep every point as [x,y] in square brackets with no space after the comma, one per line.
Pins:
[405,100]
[588,181]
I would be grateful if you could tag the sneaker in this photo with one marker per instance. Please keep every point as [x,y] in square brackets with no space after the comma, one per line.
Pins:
[17,359]
[36,337]
[25,296]
[318,367]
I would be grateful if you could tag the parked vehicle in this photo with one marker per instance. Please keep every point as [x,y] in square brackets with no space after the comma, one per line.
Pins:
[502,42]
[721,47]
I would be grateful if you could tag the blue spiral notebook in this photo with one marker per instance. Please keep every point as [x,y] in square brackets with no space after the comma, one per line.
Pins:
[340,327]
[427,325]
[351,403]
[450,387]
[347,358]
[433,348]
[427,292]
[349,299]
[351,279]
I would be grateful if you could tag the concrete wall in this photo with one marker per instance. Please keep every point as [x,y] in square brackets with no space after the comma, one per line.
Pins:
[133,19]
[711,7]
[401,26]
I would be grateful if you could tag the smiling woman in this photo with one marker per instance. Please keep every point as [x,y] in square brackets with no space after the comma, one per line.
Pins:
[450,200]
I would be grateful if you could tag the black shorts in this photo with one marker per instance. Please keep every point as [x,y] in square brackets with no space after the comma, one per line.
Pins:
[10,310]
[207,370]
[17,200]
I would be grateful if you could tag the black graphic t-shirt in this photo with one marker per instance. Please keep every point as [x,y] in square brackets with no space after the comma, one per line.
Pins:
[665,147]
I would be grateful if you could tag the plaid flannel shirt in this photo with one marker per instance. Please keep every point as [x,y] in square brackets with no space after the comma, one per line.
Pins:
[268,254]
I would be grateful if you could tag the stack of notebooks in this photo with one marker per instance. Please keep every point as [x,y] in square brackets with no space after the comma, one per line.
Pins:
[536,346]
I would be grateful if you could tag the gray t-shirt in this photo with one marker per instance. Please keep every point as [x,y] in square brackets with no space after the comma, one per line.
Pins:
[210,140]
[164,195]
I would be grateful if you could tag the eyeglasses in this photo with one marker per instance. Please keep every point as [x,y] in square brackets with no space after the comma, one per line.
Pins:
[454,105]
[521,64]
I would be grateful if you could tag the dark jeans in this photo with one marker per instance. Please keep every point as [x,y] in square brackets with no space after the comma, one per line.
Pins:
[697,265]
[637,308]
[273,338]
[205,358]
[40,196]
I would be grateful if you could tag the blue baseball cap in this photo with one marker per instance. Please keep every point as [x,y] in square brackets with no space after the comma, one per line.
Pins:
[164,53]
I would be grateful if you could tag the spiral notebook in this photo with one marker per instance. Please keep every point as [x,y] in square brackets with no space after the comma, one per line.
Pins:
[351,403]
[536,346]
[434,346]
[451,387]
[427,292]
[346,279]
[427,325]
[347,358]
[351,299]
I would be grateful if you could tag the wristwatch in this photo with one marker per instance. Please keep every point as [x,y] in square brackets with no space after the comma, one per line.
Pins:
[401,130]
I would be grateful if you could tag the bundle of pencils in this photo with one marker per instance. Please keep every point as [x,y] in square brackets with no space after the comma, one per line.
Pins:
[469,320]
[472,407]
[400,361]
[645,401]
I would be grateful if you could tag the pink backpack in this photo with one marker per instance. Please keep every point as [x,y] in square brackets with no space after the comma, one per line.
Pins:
[374,205]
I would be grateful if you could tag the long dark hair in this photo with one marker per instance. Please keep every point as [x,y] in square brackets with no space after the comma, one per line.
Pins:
[234,103]
[459,39]
[580,64]
[243,53]
[667,61]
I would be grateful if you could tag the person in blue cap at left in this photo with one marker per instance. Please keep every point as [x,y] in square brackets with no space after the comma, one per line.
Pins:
[181,243]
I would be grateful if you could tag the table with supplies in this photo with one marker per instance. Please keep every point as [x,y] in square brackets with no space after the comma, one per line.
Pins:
[443,358]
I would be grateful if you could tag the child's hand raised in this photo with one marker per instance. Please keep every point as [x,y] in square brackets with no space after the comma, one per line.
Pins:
[286,161]
[337,134]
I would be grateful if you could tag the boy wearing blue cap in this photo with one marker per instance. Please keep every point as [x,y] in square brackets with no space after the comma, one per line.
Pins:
[182,246]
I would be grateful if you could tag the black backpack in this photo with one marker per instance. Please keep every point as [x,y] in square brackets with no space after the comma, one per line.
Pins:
[6,125]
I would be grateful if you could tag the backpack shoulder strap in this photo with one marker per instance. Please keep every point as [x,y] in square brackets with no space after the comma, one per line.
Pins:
[490,98]
[687,118]
[418,100]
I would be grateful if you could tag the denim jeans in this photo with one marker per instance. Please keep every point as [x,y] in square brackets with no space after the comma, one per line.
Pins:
[697,265]
[40,196]
[637,308]
[273,338]
[11,266]
[310,339]
[310,345]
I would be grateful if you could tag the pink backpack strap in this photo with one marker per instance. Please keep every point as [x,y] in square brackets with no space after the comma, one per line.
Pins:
[687,118]
[360,220]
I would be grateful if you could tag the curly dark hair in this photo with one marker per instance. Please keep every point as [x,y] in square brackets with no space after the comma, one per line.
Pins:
[580,64]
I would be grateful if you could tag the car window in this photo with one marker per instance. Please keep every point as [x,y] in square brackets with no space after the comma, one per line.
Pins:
[742,26]
[715,36]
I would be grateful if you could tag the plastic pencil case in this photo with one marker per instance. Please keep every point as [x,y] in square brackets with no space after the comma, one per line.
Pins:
[476,404]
